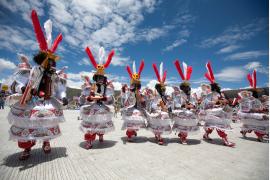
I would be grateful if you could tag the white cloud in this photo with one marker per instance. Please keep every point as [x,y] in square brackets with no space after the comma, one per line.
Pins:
[175,44]
[84,61]
[258,66]
[117,86]
[228,49]
[236,33]
[6,64]
[151,84]
[231,74]
[246,55]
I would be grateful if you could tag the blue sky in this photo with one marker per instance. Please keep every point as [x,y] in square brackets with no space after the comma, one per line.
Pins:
[232,34]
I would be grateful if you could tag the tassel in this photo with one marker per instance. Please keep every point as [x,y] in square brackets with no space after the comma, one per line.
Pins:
[177,65]
[109,59]
[250,80]
[56,42]
[141,68]
[254,79]
[38,31]
[91,57]
[210,70]
[129,71]
[156,72]
[48,32]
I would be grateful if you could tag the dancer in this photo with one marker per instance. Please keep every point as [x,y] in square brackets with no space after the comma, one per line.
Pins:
[185,120]
[158,116]
[252,113]
[215,111]
[37,114]
[134,116]
[97,117]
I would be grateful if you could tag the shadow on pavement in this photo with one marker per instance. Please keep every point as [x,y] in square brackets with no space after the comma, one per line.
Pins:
[100,145]
[153,140]
[189,141]
[216,141]
[137,139]
[37,157]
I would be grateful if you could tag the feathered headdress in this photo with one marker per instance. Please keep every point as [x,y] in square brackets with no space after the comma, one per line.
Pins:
[185,76]
[87,82]
[252,78]
[135,77]
[100,67]
[24,65]
[61,73]
[160,76]
[209,75]
[45,46]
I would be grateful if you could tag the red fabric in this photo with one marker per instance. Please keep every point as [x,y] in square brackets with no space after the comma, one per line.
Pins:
[38,31]
[130,133]
[209,130]
[56,42]
[26,145]
[250,80]
[259,134]
[210,70]
[91,57]
[89,137]
[183,135]
[109,59]
[221,133]
[189,71]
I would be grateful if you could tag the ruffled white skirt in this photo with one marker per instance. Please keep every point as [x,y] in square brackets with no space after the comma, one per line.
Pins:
[185,121]
[216,118]
[159,122]
[96,118]
[35,121]
[254,121]
[133,118]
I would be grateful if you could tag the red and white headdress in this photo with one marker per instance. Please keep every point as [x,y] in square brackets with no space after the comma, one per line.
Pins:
[185,76]
[209,75]
[135,77]
[61,73]
[43,44]
[252,78]
[100,67]
[24,65]
[87,82]
[160,76]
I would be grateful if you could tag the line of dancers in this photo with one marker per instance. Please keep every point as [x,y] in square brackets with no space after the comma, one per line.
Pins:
[38,98]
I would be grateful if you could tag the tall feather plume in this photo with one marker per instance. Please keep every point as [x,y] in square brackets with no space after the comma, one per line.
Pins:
[185,69]
[56,42]
[134,67]
[164,76]
[208,77]
[109,59]
[178,67]
[254,79]
[91,57]
[48,32]
[249,78]
[161,70]
[210,71]
[129,71]
[156,72]
[101,54]
[141,67]
[38,31]
[189,72]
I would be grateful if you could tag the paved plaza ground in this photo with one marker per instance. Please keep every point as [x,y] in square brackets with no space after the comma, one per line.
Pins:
[143,159]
